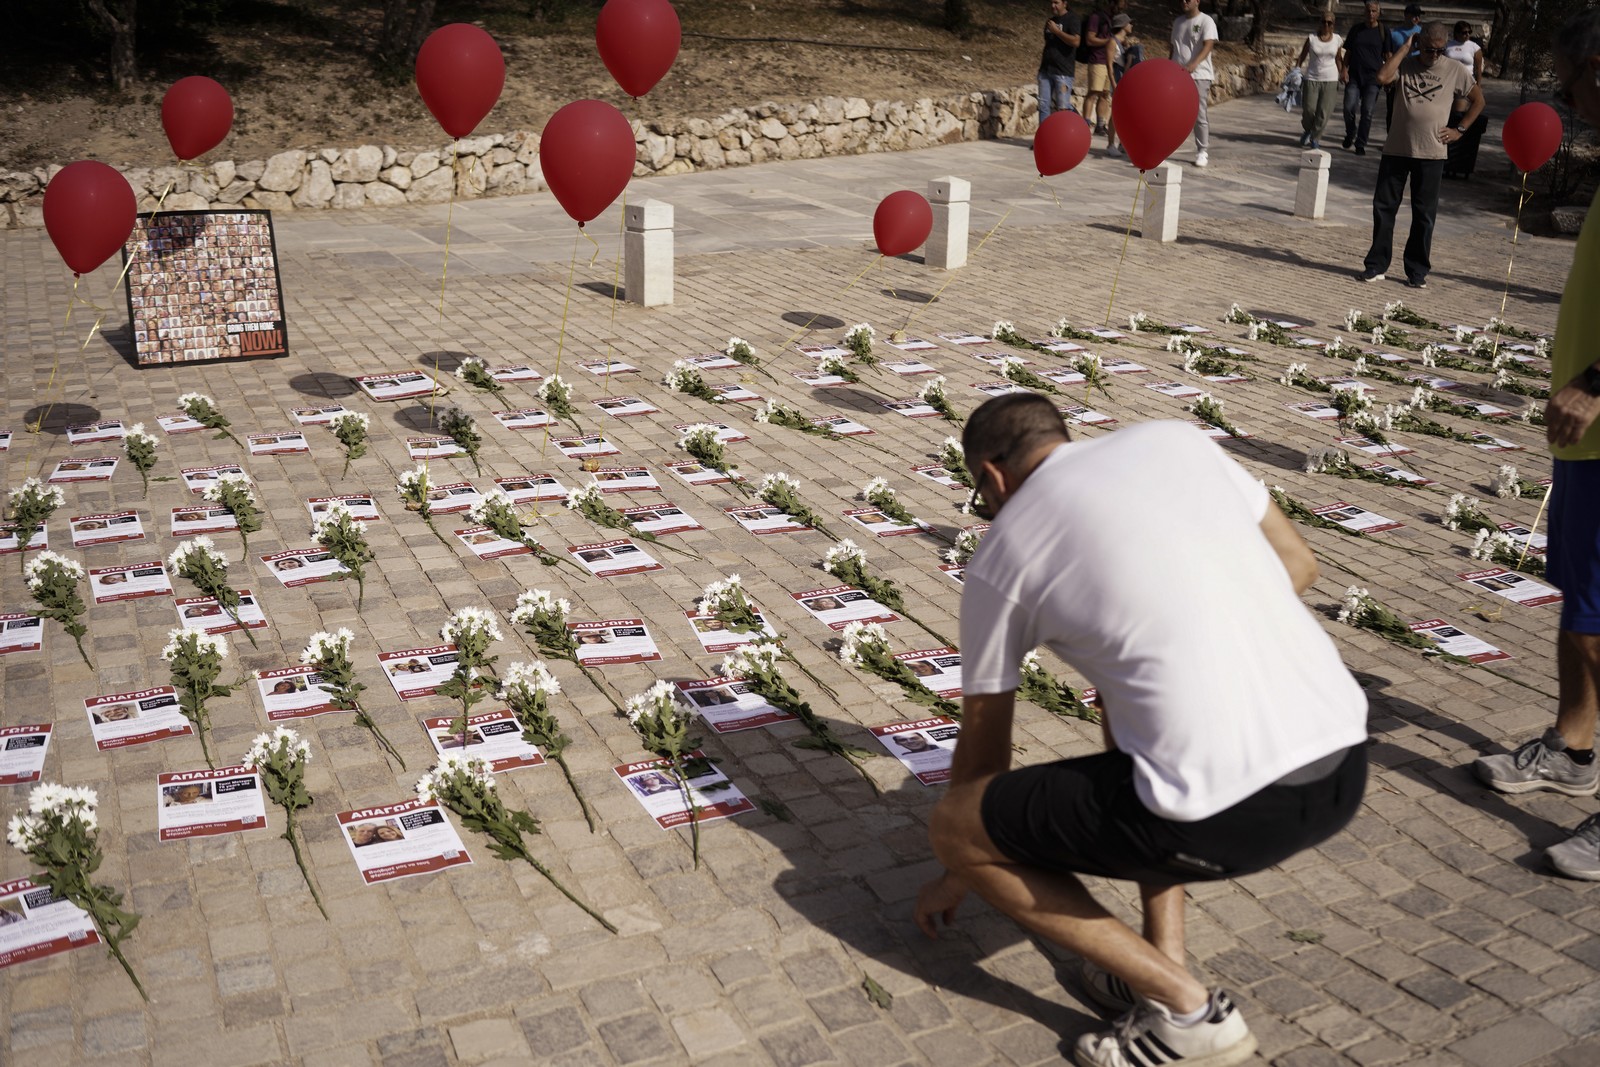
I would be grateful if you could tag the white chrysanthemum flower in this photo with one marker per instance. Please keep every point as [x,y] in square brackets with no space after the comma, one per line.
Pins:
[349,418]
[860,329]
[193,643]
[532,677]
[932,390]
[1292,374]
[951,446]
[1060,328]
[534,605]
[757,657]
[33,489]
[337,513]
[467,363]
[846,551]
[1087,363]
[1502,378]
[1541,347]
[1421,398]
[554,389]
[1360,367]
[588,494]
[1254,331]
[860,636]
[660,700]
[190,402]
[136,433]
[495,500]
[779,482]
[1011,367]
[764,413]
[34,572]
[196,551]
[1354,605]
[966,544]
[1506,482]
[736,347]
[1460,506]
[470,621]
[230,483]
[877,489]
[414,482]
[700,433]
[1001,328]
[324,646]
[1463,334]
[832,363]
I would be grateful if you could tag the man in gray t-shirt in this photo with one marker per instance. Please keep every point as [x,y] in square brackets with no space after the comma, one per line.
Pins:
[1425,88]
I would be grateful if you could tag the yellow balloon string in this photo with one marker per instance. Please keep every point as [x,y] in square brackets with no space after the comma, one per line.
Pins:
[444,273]
[1117,276]
[561,334]
[979,248]
[1527,544]
[1505,295]
[804,329]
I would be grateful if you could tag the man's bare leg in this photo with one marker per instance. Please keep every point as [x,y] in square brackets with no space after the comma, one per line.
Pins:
[1578,676]
[1057,906]
[1163,920]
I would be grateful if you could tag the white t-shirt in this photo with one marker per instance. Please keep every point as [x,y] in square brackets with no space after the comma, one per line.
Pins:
[1463,52]
[1139,559]
[1188,37]
[1322,63]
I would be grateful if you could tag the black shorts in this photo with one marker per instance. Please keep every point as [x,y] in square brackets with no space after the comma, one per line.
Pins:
[1083,816]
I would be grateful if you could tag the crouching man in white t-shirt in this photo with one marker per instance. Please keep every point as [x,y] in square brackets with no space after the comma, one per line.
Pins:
[1163,572]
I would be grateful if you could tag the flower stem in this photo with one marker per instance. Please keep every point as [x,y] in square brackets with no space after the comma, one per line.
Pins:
[298,858]
[694,809]
[594,681]
[78,638]
[588,816]
[553,880]
[120,958]
[205,746]
[384,746]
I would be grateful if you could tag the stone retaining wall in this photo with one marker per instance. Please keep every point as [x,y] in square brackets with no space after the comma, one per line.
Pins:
[505,164]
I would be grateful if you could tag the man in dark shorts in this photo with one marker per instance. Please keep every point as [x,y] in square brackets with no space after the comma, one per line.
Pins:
[1562,761]
[1236,737]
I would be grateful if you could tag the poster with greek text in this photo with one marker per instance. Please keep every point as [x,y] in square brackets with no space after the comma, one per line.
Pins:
[34,923]
[402,386]
[1457,642]
[285,443]
[202,519]
[729,705]
[8,539]
[362,507]
[715,637]
[22,752]
[303,566]
[401,840]
[938,669]
[203,613]
[88,433]
[320,415]
[611,641]
[925,746]
[20,632]
[199,479]
[84,469]
[655,786]
[661,519]
[105,529]
[1517,588]
[131,582]
[494,737]
[296,692]
[227,800]
[122,719]
[610,559]
[837,606]
[418,672]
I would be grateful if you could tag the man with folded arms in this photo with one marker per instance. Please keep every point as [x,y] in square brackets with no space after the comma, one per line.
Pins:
[1235,735]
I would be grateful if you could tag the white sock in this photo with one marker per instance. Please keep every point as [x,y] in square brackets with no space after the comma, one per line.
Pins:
[1191,1018]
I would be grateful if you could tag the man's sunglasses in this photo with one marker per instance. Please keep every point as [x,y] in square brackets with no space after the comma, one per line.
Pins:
[1435,52]
[975,502]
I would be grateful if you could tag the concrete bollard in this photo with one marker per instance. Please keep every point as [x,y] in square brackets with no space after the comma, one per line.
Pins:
[647,253]
[1164,187]
[1311,194]
[950,199]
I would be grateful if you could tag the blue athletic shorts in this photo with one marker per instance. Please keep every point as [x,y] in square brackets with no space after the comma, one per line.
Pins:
[1572,560]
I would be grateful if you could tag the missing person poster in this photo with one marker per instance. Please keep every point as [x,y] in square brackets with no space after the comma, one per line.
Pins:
[402,386]
[105,529]
[715,637]
[655,786]
[20,632]
[202,519]
[938,669]
[912,408]
[227,800]
[320,415]
[8,539]
[105,430]
[626,480]
[494,737]
[531,488]
[293,693]
[199,479]
[726,435]
[431,447]
[524,419]
[303,566]
[925,746]
[22,752]
[729,705]
[734,393]
[516,372]
[453,498]
[283,443]
[604,368]
[938,472]
[362,506]
[699,474]
[179,422]
[838,606]
[765,519]
[486,544]
[1525,539]
[123,719]
[817,379]
[1359,520]
[661,519]
[34,923]
[881,525]
[613,641]
[625,406]
[205,614]
[1517,588]
[204,285]
[712,361]
[610,559]
[842,426]
[136,580]
[401,840]
[584,446]
[81,469]
[418,672]
[1456,642]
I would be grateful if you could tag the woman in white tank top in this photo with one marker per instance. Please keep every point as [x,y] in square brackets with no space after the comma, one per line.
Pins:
[1323,57]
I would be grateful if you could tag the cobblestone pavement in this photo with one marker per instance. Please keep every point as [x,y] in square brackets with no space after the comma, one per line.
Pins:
[1429,933]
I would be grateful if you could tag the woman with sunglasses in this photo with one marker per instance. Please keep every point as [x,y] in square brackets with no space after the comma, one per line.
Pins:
[1324,74]
[1463,156]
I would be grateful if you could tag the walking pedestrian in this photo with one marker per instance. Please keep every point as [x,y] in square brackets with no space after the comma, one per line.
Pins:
[1194,37]
[1322,56]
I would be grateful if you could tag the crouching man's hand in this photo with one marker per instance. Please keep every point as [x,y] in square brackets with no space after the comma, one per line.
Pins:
[937,901]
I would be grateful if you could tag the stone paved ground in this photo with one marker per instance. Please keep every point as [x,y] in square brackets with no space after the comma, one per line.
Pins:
[1437,937]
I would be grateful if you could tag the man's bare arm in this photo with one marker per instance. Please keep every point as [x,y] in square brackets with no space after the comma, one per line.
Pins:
[1291,548]
[985,744]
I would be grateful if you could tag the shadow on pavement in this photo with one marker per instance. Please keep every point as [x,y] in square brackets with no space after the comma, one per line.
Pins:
[814,320]
[322,385]
[57,417]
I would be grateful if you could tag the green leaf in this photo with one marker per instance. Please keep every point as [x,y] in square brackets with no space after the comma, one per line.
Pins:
[774,808]
[1305,937]
[876,993]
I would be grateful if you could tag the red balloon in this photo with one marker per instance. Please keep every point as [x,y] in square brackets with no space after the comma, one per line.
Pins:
[460,73]
[638,41]
[1154,107]
[197,114]
[89,211]
[902,222]
[1531,135]
[1061,143]
[587,152]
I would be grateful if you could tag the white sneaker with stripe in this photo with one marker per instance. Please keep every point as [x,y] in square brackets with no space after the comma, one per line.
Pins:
[1148,1037]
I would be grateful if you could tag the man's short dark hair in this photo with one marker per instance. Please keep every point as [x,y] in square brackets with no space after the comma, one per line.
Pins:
[1011,425]
[1435,33]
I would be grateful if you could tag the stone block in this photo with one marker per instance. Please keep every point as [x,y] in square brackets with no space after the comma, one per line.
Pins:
[1164,188]
[398,176]
[349,195]
[433,187]
[273,201]
[424,163]
[382,194]
[283,172]
[317,190]
[1311,192]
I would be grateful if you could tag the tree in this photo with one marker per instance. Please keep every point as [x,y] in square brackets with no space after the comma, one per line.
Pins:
[120,19]
[406,24]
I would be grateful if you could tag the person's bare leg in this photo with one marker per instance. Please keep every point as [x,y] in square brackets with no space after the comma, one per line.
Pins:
[1057,906]
[1578,675]
[1163,920]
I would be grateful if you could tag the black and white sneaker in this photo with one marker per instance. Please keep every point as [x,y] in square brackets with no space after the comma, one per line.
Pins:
[1107,990]
[1147,1037]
